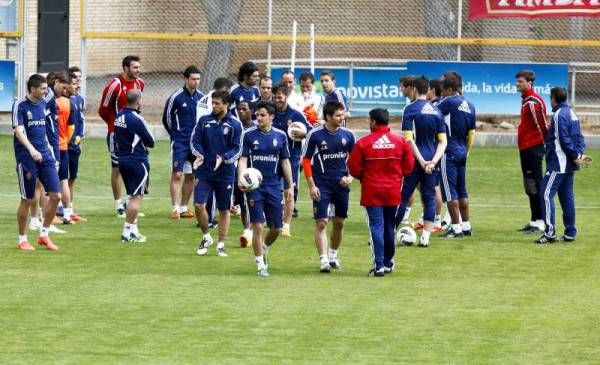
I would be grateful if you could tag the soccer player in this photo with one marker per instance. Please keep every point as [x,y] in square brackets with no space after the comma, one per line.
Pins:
[245,89]
[459,116]
[325,152]
[434,94]
[265,148]
[245,114]
[295,100]
[114,99]
[132,138]
[266,86]
[327,79]
[425,131]
[35,160]
[380,160]
[66,120]
[179,119]
[530,139]
[408,91]
[74,146]
[313,101]
[216,143]
[564,149]
[285,116]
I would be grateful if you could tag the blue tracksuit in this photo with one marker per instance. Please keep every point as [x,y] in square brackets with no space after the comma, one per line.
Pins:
[425,122]
[239,93]
[564,143]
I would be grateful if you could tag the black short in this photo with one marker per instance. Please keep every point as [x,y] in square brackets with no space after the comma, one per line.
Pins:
[532,160]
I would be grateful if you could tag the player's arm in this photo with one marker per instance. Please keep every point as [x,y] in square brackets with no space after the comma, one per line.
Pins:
[107,102]
[196,144]
[286,168]
[539,117]
[18,123]
[308,151]
[563,124]
[232,155]
[347,180]
[143,130]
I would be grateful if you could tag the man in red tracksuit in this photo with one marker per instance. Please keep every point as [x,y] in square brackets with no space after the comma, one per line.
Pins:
[531,134]
[114,99]
[380,160]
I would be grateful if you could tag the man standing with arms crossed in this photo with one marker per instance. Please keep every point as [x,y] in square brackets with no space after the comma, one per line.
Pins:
[380,160]
[530,136]
[114,99]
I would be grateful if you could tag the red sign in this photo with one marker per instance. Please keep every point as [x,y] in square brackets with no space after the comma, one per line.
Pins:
[533,8]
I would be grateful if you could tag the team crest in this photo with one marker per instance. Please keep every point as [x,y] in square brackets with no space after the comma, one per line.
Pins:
[29,115]
[28,176]
[184,105]
[175,164]
[274,142]
[255,144]
[344,141]
[251,203]
[225,131]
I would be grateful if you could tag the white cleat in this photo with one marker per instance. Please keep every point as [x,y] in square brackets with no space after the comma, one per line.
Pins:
[54,229]
[203,247]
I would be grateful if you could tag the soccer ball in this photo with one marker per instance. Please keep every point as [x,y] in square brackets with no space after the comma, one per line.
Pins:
[250,179]
[296,126]
[406,236]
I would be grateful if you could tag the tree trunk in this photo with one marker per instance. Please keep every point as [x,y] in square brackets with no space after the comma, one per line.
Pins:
[222,19]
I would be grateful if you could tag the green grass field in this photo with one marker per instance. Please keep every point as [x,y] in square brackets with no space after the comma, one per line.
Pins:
[494,298]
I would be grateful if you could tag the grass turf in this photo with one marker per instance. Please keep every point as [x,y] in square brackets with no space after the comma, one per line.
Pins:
[494,298]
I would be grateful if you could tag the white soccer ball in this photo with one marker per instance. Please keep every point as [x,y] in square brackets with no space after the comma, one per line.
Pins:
[406,236]
[250,179]
[296,127]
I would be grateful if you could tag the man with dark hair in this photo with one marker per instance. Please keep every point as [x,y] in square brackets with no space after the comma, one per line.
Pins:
[216,143]
[114,99]
[284,117]
[266,86]
[313,101]
[265,149]
[408,91]
[35,160]
[459,115]
[245,89]
[325,154]
[380,160]
[425,131]
[564,151]
[434,94]
[457,76]
[132,140]
[530,137]
[179,119]
[74,145]
[327,79]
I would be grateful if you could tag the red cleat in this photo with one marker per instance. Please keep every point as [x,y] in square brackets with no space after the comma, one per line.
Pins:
[25,246]
[77,218]
[46,241]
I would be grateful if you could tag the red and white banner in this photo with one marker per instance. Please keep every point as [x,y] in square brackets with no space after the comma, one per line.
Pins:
[533,8]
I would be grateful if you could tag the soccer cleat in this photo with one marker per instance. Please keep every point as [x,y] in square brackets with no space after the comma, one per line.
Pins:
[213,224]
[423,244]
[545,239]
[335,263]
[389,269]
[266,257]
[133,238]
[60,211]
[525,228]
[67,221]
[418,226]
[203,247]
[121,213]
[25,246]
[245,239]
[55,229]
[221,252]
[141,214]
[175,214]
[295,213]
[467,233]
[325,267]
[533,230]
[262,272]
[377,272]
[46,241]
[77,218]
[567,239]
[187,214]
[438,229]
[285,232]
[450,234]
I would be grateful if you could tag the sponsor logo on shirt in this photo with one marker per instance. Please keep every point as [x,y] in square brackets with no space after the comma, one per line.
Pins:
[383,143]
[430,110]
[268,158]
[338,155]
[34,123]
[464,107]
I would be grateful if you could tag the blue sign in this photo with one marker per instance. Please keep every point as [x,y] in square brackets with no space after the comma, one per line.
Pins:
[372,87]
[8,15]
[491,86]
[7,85]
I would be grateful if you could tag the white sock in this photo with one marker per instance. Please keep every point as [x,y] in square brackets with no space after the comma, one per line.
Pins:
[466,226]
[260,261]
[134,229]
[176,208]
[456,228]
[425,237]
[35,221]
[286,226]
[118,204]
[220,244]
[539,224]
[183,208]
[67,213]
[406,214]
[266,248]
[333,253]
[126,230]
[207,237]
[44,231]
[22,238]
[421,219]
[437,221]
[247,232]
[324,258]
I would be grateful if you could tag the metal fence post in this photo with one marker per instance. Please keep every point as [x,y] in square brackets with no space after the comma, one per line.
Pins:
[459,30]
[270,33]
[350,85]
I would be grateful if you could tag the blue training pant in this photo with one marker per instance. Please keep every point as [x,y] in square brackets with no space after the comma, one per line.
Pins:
[428,183]
[381,224]
[561,183]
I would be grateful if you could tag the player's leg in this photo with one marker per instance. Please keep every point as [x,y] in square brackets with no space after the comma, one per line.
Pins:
[239,199]
[407,195]
[273,209]
[450,195]
[136,178]
[174,190]
[73,163]
[437,221]
[295,175]
[63,176]
[288,209]
[115,175]
[463,198]
[27,186]
[186,191]
[340,201]
[321,216]
[389,250]
[35,223]
[567,203]
[405,218]
[375,220]
[202,192]
[49,178]
[531,167]
[223,194]
[257,219]
[428,183]
[549,188]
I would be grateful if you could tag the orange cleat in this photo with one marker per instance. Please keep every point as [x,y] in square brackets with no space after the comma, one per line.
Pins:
[25,246]
[187,214]
[77,218]
[175,214]
[46,241]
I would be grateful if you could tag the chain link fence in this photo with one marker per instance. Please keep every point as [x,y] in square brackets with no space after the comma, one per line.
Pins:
[345,29]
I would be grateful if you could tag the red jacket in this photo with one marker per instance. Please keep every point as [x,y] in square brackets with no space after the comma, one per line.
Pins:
[114,98]
[534,125]
[380,160]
